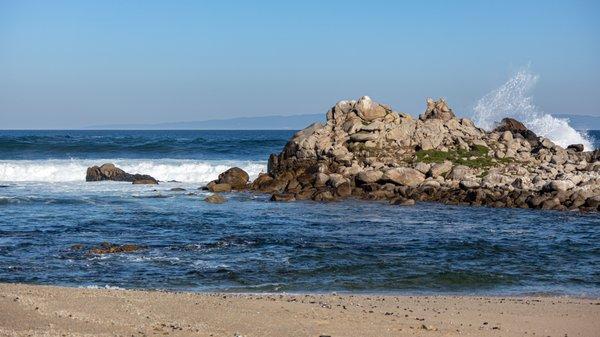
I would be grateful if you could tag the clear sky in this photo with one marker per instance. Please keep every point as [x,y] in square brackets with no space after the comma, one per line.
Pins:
[78,63]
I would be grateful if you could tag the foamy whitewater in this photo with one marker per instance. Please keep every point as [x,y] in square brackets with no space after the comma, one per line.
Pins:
[513,99]
[69,170]
[185,156]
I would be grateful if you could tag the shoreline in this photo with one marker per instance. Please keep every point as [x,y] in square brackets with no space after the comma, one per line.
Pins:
[391,293]
[41,310]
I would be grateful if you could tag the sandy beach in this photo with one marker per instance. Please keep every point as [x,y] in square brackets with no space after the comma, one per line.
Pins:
[29,310]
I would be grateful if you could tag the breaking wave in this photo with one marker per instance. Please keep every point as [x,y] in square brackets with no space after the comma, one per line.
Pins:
[513,99]
[60,170]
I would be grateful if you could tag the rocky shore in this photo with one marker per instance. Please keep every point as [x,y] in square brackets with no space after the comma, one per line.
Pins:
[367,150]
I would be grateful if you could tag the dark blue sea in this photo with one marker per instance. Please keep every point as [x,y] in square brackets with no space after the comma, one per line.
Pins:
[250,244]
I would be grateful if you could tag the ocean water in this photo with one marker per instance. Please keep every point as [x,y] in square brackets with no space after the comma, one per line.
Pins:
[250,244]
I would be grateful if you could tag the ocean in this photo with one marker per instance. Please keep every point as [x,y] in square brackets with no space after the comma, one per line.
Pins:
[250,244]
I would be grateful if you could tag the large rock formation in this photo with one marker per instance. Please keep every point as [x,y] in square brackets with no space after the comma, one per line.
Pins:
[109,171]
[367,150]
[233,179]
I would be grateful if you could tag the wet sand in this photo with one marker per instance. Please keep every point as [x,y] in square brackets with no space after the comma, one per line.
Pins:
[27,310]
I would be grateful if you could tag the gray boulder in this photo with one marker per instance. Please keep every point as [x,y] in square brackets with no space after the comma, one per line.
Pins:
[369,176]
[369,110]
[403,176]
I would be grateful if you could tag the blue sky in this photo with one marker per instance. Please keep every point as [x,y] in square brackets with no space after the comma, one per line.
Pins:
[77,63]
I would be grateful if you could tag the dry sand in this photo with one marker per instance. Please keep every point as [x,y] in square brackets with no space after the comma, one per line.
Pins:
[27,310]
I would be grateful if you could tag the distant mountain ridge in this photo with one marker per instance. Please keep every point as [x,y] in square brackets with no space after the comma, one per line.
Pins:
[292,122]
[582,122]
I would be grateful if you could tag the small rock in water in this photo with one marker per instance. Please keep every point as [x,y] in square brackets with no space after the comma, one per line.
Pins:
[401,201]
[145,181]
[218,187]
[177,189]
[215,199]
[283,197]
[109,248]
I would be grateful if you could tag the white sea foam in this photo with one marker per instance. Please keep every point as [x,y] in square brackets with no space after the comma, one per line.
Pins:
[93,286]
[56,170]
[513,99]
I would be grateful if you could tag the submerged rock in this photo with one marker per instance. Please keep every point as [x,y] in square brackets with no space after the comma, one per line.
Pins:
[283,197]
[109,248]
[145,180]
[402,201]
[215,199]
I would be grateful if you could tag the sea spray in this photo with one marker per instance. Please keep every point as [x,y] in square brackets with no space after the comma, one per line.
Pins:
[513,99]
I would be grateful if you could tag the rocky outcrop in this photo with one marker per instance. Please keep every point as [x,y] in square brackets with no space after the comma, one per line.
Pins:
[437,110]
[367,150]
[109,171]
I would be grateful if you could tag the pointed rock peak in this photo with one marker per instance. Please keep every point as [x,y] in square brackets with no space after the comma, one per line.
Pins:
[437,110]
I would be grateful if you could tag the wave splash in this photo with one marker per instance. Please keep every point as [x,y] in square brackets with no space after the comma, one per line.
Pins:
[60,170]
[513,99]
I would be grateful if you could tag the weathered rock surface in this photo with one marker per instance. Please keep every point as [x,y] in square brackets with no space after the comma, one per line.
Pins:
[437,110]
[109,171]
[515,127]
[233,179]
[575,147]
[367,150]
[403,176]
